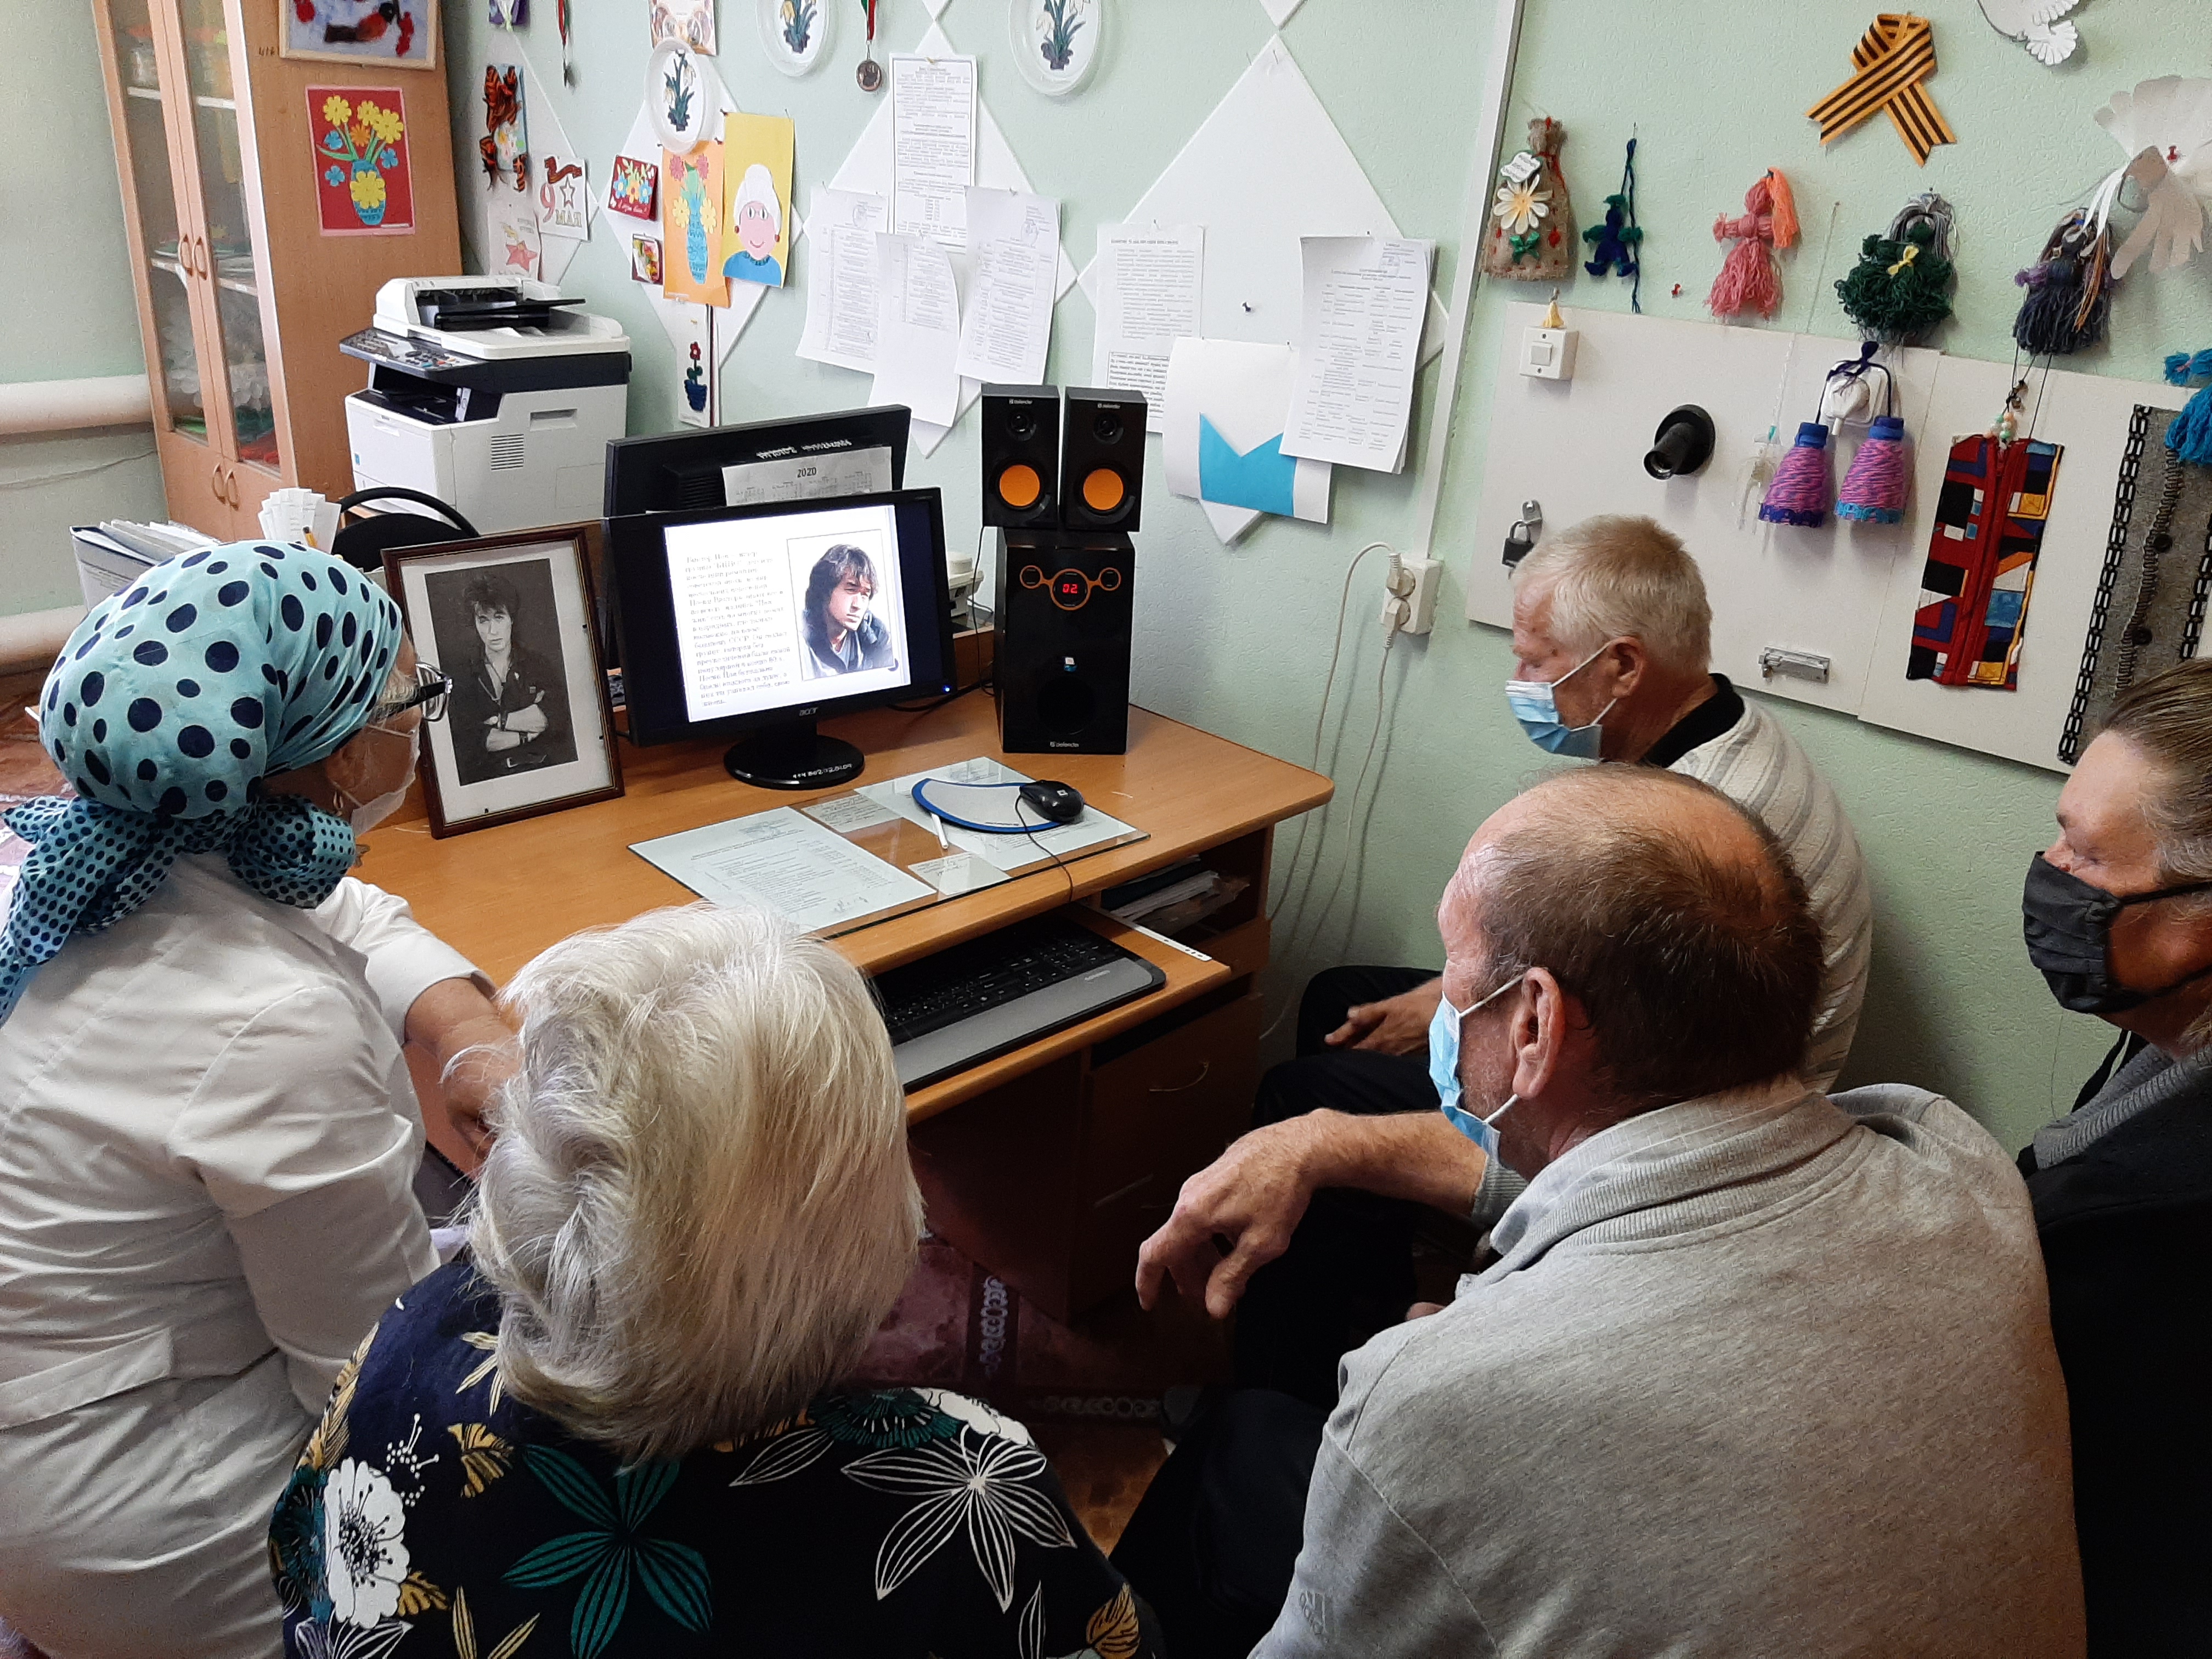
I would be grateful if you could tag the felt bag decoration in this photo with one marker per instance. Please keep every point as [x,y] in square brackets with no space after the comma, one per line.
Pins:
[1532,223]
[1875,484]
[1799,494]
[1980,569]
[1750,280]
[2070,288]
[1901,287]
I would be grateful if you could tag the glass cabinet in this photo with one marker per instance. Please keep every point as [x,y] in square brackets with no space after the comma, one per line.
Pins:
[242,299]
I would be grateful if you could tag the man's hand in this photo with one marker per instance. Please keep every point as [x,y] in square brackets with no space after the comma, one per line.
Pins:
[502,739]
[529,722]
[1395,1025]
[1253,1196]
[472,1049]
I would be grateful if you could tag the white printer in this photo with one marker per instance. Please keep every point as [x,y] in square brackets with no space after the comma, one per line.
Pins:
[493,393]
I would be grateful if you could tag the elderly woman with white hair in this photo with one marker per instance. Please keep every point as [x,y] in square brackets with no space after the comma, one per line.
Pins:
[756,222]
[616,1422]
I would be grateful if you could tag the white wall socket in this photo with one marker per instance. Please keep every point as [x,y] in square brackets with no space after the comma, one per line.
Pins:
[1417,582]
[1548,354]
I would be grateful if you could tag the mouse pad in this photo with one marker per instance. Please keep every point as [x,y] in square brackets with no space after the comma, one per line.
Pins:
[991,806]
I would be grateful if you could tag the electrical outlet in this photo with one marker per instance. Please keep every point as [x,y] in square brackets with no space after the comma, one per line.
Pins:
[1409,603]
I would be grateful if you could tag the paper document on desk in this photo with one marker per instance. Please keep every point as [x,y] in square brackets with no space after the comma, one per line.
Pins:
[781,860]
[1365,300]
[1016,854]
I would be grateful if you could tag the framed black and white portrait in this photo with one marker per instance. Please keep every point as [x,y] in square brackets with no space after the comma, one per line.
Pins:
[526,729]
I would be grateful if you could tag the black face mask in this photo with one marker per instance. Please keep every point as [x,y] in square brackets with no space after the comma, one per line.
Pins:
[2068,928]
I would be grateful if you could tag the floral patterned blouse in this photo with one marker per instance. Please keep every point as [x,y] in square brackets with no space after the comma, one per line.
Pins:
[432,1516]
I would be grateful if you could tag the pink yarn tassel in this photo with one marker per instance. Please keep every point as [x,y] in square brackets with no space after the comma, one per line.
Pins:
[1799,494]
[1875,486]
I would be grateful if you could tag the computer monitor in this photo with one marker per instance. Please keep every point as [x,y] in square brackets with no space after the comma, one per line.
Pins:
[762,620]
[851,453]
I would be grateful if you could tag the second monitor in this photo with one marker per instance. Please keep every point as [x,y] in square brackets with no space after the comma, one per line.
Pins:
[757,621]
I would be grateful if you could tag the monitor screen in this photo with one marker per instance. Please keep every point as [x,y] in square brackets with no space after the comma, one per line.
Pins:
[740,617]
[846,454]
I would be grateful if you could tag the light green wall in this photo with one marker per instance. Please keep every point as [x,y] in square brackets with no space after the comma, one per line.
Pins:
[65,297]
[1238,640]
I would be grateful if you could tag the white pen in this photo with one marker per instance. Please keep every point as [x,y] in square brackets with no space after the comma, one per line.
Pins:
[939,819]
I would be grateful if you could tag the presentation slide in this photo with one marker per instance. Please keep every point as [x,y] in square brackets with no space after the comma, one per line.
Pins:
[787,609]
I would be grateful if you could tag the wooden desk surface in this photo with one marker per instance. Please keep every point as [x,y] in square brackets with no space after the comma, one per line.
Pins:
[503,894]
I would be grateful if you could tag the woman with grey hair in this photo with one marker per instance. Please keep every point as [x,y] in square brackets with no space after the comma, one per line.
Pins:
[2118,918]
[617,1419]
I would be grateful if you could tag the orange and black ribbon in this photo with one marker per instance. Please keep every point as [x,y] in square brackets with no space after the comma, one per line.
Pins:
[1892,62]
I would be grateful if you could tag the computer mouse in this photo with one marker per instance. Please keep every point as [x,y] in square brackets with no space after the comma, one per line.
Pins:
[1057,802]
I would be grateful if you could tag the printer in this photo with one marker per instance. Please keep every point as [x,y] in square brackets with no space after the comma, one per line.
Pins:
[494,393]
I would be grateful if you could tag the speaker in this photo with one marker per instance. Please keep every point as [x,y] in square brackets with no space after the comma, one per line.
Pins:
[1021,456]
[1062,645]
[1102,461]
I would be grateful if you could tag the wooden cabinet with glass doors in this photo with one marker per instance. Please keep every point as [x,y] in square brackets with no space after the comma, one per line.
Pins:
[242,300]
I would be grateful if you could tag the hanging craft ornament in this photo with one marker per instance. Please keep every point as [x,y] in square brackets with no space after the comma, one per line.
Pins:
[2037,25]
[1530,217]
[2190,437]
[1616,241]
[1901,287]
[1891,63]
[869,75]
[1750,279]
[1988,528]
[2165,126]
[560,17]
[1875,483]
[2070,288]
[2142,622]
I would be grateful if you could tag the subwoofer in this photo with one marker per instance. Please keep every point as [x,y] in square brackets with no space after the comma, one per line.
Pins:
[1021,456]
[1062,645]
[1102,462]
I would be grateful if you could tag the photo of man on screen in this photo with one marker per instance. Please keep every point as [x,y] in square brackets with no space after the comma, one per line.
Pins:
[838,622]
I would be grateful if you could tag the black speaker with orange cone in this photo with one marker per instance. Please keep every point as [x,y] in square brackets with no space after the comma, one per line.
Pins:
[1021,456]
[1102,461]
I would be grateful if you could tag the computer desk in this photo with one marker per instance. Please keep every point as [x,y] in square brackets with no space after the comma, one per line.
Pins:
[1050,1164]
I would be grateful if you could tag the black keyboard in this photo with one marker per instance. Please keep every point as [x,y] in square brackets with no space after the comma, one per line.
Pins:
[1001,991]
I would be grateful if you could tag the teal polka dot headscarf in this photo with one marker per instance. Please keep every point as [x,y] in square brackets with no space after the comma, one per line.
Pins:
[170,703]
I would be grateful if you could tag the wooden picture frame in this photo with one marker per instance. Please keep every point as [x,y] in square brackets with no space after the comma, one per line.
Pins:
[418,24]
[538,736]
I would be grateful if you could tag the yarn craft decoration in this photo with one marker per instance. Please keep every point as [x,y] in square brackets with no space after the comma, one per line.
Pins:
[2070,288]
[1615,241]
[1750,278]
[1901,287]
[2190,433]
[1531,218]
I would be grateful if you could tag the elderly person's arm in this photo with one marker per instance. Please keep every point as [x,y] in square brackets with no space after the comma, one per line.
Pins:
[1255,1194]
[435,999]
[293,1135]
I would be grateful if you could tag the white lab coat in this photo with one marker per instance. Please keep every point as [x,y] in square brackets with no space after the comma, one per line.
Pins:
[207,1140]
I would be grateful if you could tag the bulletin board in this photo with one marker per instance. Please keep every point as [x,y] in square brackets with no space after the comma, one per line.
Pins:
[1846,590]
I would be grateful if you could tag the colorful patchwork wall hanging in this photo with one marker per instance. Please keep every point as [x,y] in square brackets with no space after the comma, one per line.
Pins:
[1981,562]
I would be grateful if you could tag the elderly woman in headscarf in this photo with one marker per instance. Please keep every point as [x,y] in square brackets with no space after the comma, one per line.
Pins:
[207,1135]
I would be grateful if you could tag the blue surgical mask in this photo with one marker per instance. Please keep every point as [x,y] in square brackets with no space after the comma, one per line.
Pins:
[1443,1070]
[1538,710]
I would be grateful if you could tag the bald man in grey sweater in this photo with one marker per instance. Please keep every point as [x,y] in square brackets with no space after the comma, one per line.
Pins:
[1755,1372]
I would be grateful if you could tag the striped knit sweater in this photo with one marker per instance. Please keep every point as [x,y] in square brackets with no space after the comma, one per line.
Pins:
[1759,766]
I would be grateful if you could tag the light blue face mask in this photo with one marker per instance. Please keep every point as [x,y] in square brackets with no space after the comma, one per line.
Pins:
[1443,1070]
[1538,710]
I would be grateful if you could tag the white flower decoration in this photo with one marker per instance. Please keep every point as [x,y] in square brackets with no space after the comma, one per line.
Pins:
[981,1482]
[364,1524]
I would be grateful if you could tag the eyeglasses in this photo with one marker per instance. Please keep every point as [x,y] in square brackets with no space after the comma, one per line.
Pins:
[429,695]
